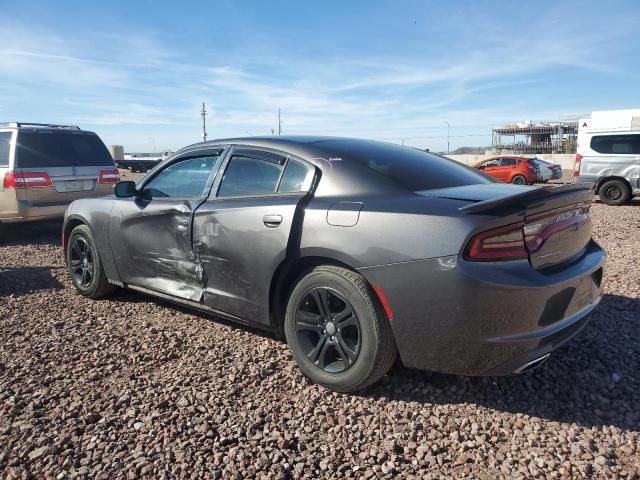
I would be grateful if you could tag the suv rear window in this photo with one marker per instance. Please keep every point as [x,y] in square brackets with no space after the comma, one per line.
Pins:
[60,149]
[412,168]
[616,144]
[5,139]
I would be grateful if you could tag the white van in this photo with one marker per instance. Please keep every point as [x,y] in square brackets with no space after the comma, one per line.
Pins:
[608,154]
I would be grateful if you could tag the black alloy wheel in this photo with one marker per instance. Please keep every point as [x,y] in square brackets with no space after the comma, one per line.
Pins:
[336,329]
[82,263]
[328,330]
[85,266]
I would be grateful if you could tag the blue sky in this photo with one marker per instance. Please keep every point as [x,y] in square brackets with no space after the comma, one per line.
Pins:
[136,72]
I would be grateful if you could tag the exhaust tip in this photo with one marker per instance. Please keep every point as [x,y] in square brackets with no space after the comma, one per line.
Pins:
[532,364]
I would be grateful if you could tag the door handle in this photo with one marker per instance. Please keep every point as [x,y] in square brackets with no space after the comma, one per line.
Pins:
[272,221]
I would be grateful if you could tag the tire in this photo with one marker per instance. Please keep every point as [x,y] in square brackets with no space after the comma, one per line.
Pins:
[519,180]
[364,335]
[97,286]
[614,192]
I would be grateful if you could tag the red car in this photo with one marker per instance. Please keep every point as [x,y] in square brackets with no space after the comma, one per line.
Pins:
[518,170]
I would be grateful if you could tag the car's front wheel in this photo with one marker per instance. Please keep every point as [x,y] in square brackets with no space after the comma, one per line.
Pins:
[85,267]
[338,334]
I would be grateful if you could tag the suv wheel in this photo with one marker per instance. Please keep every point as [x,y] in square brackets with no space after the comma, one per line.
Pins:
[337,333]
[84,265]
[614,192]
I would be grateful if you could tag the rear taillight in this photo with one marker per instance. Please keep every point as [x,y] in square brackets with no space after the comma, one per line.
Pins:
[110,175]
[13,180]
[504,243]
[576,166]
[520,239]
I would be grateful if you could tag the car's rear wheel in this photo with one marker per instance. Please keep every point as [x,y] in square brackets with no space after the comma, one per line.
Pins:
[85,266]
[337,332]
[519,180]
[614,192]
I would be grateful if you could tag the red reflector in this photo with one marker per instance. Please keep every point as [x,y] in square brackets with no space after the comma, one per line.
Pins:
[576,166]
[384,301]
[14,180]
[110,175]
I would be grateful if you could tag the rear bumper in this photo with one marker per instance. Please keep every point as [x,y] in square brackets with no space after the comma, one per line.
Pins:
[28,212]
[486,318]
[590,179]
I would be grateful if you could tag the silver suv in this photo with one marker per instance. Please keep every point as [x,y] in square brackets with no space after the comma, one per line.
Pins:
[44,167]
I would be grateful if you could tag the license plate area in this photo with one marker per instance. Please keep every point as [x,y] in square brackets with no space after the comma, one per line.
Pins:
[63,186]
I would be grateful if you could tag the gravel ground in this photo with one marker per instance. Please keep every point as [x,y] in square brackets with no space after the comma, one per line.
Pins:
[132,387]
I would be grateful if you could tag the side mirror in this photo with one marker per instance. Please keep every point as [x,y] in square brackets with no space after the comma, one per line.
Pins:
[125,189]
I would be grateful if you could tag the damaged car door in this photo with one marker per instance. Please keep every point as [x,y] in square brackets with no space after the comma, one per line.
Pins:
[151,233]
[251,221]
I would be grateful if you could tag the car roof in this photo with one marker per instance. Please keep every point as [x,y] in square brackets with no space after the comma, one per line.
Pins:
[274,141]
[309,147]
[39,126]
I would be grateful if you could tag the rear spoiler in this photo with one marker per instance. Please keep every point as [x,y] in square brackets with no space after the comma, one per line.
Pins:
[522,199]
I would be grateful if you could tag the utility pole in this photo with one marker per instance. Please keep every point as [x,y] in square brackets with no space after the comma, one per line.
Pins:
[153,141]
[203,113]
[279,123]
[448,146]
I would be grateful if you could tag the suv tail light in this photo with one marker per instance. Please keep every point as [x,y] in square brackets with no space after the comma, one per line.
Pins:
[576,166]
[13,180]
[110,175]
[503,243]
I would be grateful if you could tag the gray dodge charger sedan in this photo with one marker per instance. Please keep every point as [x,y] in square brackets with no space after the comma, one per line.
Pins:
[353,251]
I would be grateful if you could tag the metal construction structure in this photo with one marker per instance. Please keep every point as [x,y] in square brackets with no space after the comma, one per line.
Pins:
[535,137]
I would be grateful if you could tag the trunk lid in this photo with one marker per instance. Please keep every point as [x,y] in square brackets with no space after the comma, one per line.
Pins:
[556,221]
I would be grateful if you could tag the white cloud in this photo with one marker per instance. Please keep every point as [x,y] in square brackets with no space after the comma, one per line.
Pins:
[124,83]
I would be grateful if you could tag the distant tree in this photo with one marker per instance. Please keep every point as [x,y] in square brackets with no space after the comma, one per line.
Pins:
[469,151]
[570,146]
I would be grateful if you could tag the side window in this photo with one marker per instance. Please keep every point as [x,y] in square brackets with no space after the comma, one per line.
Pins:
[294,178]
[5,140]
[184,179]
[494,162]
[616,144]
[246,176]
[506,162]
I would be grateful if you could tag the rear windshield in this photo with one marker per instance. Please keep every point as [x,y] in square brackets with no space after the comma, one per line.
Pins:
[5,139]
[60,149]
[411,168]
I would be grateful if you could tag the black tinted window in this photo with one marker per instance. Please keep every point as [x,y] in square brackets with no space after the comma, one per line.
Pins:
[293,178]
[185,179]
[59,149]
[249,176]
[616,144]
[413,169]
[5,138]
[507,162]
